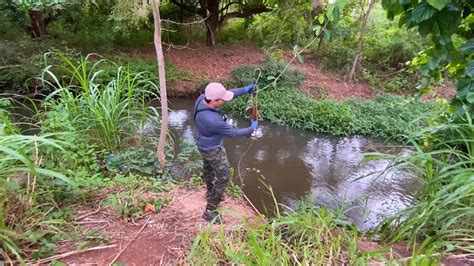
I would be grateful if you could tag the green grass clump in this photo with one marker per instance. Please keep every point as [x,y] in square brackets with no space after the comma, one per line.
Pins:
[106,110]
[305,236]
[385,116]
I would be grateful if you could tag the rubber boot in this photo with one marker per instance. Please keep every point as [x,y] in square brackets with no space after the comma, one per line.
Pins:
[212,217]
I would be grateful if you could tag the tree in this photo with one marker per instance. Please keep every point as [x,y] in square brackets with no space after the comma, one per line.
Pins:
[34,15]
[450,24]
[160,151]
[364,18]
[217,12]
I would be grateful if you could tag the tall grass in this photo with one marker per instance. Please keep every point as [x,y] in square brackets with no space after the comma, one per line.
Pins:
[21,175]
[107,112]
[305,236]
[442,215]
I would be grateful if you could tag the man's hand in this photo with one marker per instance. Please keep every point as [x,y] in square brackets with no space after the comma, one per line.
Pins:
[254,124]
[250,88]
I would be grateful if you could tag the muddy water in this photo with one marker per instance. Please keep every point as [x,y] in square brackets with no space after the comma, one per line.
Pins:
[298,164]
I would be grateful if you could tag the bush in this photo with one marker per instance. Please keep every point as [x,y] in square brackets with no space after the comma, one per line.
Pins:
[106,111]
[283,26]
[387,49]
[86,28]
[234,31]
[304,236]
[270,70]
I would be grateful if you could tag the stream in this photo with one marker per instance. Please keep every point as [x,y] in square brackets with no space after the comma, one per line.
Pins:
[298,164]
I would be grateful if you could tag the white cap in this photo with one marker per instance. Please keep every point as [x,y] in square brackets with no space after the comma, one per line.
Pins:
[215,91]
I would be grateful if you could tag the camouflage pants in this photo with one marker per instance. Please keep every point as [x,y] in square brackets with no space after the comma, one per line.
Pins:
[216,171]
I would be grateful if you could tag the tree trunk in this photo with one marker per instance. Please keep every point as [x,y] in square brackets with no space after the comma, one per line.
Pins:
[38,25]
[212,22]
[360,46]
[160,150]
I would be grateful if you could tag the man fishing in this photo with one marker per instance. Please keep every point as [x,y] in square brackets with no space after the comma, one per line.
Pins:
[211,128]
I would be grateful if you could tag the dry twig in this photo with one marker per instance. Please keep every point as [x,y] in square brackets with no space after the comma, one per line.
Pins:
[71,253]
[88,214]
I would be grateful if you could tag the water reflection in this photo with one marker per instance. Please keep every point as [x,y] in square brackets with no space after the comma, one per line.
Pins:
[297,164]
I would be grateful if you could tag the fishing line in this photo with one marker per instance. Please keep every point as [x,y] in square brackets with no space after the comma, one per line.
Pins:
[254,102]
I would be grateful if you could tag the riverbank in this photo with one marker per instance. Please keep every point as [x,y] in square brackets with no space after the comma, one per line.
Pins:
[83,130]
[157,237]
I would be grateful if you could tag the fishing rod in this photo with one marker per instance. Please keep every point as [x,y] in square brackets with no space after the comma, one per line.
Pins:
[252,110]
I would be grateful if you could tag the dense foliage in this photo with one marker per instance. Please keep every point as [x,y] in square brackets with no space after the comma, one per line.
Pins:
[95,129]
[450,24]
[86,120]
[385,116]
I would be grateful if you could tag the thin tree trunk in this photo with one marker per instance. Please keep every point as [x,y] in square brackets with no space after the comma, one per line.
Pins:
[38,25]
[160,151]
[360,46]
[212,22]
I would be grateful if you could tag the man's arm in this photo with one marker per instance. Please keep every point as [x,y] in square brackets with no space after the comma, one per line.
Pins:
[244,90]
[222,128]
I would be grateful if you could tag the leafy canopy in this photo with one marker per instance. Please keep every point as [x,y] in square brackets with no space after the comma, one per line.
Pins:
[450,24]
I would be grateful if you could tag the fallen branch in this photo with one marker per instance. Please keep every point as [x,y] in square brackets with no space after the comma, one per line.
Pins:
[88,214]
[130,242]
[8,66]
[92,222]
[71,253]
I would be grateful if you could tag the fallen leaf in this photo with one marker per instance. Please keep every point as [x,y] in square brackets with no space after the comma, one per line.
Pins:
[150,208]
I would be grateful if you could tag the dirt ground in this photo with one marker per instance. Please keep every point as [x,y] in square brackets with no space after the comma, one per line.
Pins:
[165,239]
[216,64]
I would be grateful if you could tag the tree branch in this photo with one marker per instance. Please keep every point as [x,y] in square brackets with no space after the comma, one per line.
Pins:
[186,23]
[227,6]
[190,9]
[244,13]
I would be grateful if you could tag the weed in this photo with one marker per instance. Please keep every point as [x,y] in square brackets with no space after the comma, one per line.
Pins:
[442,214]
[306,235]
[106,113]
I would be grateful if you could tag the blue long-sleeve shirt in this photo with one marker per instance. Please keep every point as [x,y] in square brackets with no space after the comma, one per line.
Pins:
[211,128]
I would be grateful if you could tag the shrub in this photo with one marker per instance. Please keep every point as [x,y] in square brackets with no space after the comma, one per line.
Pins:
[270,70]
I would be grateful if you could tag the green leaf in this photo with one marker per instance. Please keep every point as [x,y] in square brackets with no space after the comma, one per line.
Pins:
[423,11]
[336,14]
[425,27]
[404,2]
[470,69]
[321,19]
[470,97]
[327,35]
[468,47]
[444,40]
[464,87]
[438,4]
[435,29]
